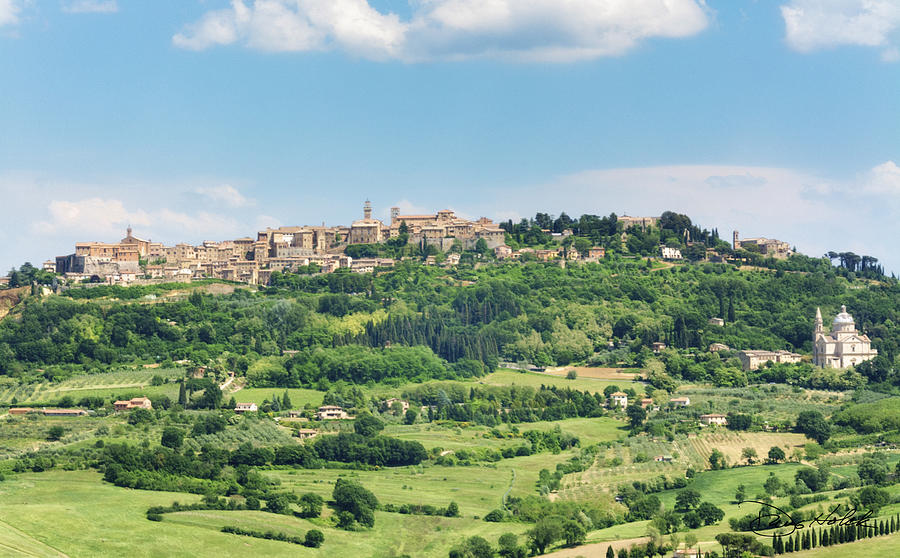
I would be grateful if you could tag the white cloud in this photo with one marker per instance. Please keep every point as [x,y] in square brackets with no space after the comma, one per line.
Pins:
[9,12]
[225,194]
[537,30]
[884,179]
[106,219]
[91,7]
[818,24]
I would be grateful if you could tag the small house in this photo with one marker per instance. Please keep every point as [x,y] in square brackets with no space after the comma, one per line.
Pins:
[135,403]
[306,433]
[246,408]
[331,412]
[714,419]
[680,401]
[619,399]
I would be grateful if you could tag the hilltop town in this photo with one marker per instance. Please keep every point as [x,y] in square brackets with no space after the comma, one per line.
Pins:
[437,238]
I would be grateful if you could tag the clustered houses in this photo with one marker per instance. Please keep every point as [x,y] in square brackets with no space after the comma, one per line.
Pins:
[252,261]
[765,246]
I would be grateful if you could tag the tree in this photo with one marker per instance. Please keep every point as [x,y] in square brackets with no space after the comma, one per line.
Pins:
[873,498]
[814,479]
[508,544]
[716,460]
[286,404]
[314,538]
[686,500]
[311,505]
[55,433]
[367,425]
[776,454]
[474,547]
[544,533]
[636,415]
[182,394]
[709,513]
[278,503]
[873,470]
[738,421]
[573,532]
[351,497]
[749,455]
[690,540]
[172,437]
[814,425]
[610,553]
[410,416]
[452,510]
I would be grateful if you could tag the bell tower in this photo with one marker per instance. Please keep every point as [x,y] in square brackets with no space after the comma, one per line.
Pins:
[367,210]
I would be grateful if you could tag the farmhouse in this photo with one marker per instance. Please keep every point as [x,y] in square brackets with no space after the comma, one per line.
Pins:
[135,403]
[331,412]
[619,398]
[716,322]
[680,401]
[659,346]
[245,408]
[713,419]
[306,433]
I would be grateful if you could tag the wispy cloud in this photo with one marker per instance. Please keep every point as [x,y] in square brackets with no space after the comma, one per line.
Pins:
[538,30]
[9,12]
[225,194]
[820,24]
[91,7]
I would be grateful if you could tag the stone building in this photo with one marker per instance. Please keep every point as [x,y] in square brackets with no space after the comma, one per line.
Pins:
[766,246]
[752,360]
[844,346]
[366,230]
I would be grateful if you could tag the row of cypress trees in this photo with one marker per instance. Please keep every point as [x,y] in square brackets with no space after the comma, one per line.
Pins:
[836,534]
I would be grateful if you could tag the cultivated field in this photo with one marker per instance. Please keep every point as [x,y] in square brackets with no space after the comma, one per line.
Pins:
[108,385]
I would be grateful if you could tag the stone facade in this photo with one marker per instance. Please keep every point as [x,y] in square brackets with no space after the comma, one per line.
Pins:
[844,346]
[751,360]
[766,246]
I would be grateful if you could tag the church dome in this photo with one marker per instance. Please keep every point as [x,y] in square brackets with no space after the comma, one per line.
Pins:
[843,317]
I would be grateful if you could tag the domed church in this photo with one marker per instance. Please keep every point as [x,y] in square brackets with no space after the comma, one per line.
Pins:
[844,346]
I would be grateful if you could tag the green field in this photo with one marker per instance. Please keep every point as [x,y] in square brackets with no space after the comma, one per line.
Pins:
[75,514]
[506,377]
[108,385]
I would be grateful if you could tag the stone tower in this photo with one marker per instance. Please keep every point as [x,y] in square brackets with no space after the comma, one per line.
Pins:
[820,329]
[367,210]
[395,214]
[735,242]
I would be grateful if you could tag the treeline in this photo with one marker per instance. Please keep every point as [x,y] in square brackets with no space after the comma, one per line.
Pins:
[492,405]
[835,534]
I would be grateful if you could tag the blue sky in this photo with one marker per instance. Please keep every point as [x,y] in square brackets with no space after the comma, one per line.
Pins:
[196,120]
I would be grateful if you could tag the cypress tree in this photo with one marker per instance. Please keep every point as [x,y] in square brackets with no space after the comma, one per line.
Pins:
[812,539]
[789,545]
[610,553]
[182,395]
[823,537]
